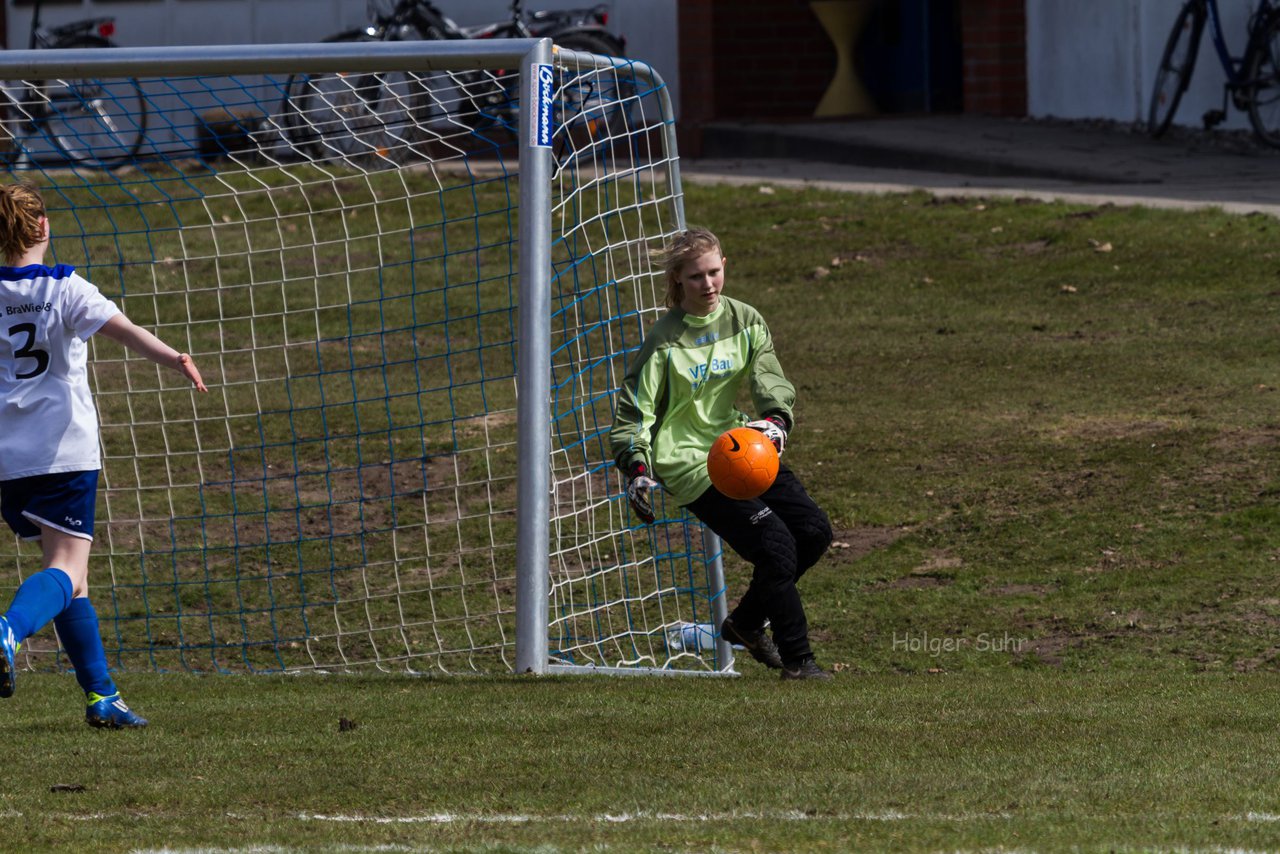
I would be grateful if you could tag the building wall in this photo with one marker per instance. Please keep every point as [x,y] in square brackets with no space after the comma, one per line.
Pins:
[773,59]
[750,60]
[1097,59]
[1079,59]
[178,22]
[994,56]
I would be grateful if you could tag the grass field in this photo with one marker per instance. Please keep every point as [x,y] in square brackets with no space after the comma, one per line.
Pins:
[1002,760]
[1047,436]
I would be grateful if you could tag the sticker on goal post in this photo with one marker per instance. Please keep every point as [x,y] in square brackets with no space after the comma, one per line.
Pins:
[543,86]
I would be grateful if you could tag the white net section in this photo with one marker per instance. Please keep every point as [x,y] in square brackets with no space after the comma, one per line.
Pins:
[339,254]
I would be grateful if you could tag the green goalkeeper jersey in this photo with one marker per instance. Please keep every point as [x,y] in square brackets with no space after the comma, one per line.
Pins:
[681,392]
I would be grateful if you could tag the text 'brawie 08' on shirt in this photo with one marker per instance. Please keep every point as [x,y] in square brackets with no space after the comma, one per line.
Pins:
[48,423]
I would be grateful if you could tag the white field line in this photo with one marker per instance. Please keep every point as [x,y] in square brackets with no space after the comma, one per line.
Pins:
[252,849]
[281,849]
[385,848]
[609,818]
[343,848]
[568,818]
[633,817]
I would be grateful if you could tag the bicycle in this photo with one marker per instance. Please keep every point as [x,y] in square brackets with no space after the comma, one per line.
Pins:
[384,115]
[91,122]
[594,107]
[1253,79]
[584,29]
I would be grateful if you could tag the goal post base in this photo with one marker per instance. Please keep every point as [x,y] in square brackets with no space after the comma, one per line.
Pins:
[591,670]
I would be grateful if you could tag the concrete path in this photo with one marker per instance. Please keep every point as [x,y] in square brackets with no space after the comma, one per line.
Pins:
[1088,162]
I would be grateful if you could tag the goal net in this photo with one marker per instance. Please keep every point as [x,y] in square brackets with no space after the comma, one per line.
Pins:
[352,258]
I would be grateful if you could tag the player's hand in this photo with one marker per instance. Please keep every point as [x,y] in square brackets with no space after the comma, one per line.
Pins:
[774,429]
[638,489]
[191,372]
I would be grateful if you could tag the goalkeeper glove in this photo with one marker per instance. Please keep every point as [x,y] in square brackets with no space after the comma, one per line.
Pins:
[638,488]
[773,428]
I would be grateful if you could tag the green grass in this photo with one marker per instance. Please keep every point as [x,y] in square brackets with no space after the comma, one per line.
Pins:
[1047,437]
[1064,415]
[1041,761]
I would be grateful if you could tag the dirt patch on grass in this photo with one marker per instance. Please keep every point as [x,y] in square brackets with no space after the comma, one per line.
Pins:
[1246,439]
[1092,213]
[849,544]
[1032,247]
[1265,661]
[1049,649]
[915,582]
[1025,248]
[1046,641]
[936,571]
[1037,590]
[1106,427]
[1240,637]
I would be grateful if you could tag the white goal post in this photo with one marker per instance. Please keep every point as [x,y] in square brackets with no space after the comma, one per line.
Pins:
[413,277]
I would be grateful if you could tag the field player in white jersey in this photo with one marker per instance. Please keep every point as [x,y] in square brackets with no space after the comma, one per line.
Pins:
[49,458]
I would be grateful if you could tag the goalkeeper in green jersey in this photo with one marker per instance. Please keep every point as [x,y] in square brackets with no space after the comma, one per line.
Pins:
[678,396]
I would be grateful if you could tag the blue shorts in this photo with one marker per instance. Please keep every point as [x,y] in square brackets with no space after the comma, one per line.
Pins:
[64,502]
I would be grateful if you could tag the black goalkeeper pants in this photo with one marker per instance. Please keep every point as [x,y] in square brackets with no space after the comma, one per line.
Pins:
[782,533]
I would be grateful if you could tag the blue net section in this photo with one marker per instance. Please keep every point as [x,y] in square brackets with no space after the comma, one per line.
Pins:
[338,252]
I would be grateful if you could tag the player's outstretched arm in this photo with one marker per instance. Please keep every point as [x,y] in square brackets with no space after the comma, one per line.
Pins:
[124,331]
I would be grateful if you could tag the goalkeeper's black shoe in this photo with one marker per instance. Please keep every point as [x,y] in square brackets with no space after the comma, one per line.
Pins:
[111,713]
[807,669]
[759,644]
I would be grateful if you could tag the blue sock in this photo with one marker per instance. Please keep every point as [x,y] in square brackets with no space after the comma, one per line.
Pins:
[39,599]
[78,630]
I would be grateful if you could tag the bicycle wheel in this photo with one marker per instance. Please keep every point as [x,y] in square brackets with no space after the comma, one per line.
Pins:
[298,128]
[366,116]
[1262,73]
[469,100]
[11,122]
[597,104]
[1176,65]
[95,122]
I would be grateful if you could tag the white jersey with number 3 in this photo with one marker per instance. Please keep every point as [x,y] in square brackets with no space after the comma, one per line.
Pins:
[48,423]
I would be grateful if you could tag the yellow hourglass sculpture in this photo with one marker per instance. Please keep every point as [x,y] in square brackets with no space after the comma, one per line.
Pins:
[843,20]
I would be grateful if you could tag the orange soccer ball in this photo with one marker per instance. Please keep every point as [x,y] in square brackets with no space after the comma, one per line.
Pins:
[742,463]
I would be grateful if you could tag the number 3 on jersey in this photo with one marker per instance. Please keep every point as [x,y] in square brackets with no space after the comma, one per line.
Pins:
[26,351]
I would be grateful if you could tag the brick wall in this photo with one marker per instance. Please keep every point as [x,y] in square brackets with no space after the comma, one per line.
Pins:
[771,60]
[750,60]
[994,33]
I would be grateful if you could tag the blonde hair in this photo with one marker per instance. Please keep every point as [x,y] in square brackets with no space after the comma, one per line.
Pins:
[21,208]
[683,248]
